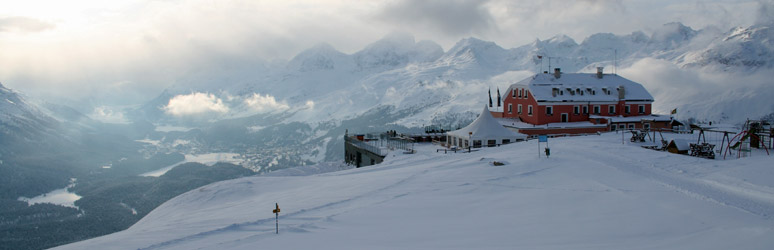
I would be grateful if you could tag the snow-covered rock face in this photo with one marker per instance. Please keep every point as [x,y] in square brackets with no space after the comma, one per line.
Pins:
[396,49]
[21,121]
[560,43]
[14,108]
[471,52]
[747,48]
[671,35]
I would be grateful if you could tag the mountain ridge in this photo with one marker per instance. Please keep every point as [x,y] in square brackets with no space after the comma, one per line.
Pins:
[476,60]
[326,91]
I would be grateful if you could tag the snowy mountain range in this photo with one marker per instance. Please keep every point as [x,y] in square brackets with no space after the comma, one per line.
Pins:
[410,84]
[346,85]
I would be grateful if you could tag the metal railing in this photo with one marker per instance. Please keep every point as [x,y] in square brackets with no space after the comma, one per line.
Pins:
[363,145]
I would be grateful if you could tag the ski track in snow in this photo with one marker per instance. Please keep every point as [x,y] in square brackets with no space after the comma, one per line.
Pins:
[290,220]
[301,221]
[697,189]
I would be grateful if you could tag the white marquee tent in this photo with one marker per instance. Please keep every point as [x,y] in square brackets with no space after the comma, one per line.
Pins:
[484,131]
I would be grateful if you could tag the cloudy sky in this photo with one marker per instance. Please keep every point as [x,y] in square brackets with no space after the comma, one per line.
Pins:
[95,48]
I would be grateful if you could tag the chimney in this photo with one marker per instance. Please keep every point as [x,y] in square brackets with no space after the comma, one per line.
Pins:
[599,72]
[557,72]
[621,92]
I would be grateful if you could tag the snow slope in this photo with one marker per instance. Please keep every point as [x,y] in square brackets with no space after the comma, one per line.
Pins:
[593,193]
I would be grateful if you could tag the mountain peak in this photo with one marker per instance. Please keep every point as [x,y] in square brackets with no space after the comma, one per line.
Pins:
[561,39]
[477,51]
[472,41]
[319,57]
[396,49]
[755,32]
[474,45]
[672,34]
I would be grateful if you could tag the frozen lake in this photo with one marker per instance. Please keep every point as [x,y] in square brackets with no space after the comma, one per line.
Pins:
[60,197]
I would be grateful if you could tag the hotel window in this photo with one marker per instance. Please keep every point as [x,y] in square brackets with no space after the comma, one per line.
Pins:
[526,93]
[518,108]
[513,91]
[642,109]
[596,109]
[631,125]
[549,110]
[529,110]
[576,110]
[611,109]
[520,91]
[510,108]
[627,109]
[585,110]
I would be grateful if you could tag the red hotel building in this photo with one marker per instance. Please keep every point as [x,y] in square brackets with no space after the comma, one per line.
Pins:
[578,103]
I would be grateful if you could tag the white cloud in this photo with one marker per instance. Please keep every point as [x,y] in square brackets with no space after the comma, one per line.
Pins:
[108,115]
[195,104]
[309,104]
[23,24]
[264,103]
[699,93]
[452,18]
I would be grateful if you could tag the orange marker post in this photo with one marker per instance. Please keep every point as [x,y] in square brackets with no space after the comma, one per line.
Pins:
[276,216]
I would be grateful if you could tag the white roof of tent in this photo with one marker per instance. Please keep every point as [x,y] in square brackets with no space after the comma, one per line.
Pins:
[486,127]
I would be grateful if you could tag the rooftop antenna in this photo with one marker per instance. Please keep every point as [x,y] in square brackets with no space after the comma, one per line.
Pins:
[549,63]
[615,62]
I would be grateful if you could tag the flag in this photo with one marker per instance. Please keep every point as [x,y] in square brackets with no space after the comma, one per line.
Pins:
[674,111]
[498,97]
[490,98]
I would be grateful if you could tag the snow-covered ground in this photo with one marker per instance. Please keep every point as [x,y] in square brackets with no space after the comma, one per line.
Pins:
[593,193]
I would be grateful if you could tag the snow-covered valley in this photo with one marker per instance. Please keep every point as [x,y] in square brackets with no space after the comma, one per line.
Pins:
[592,193]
